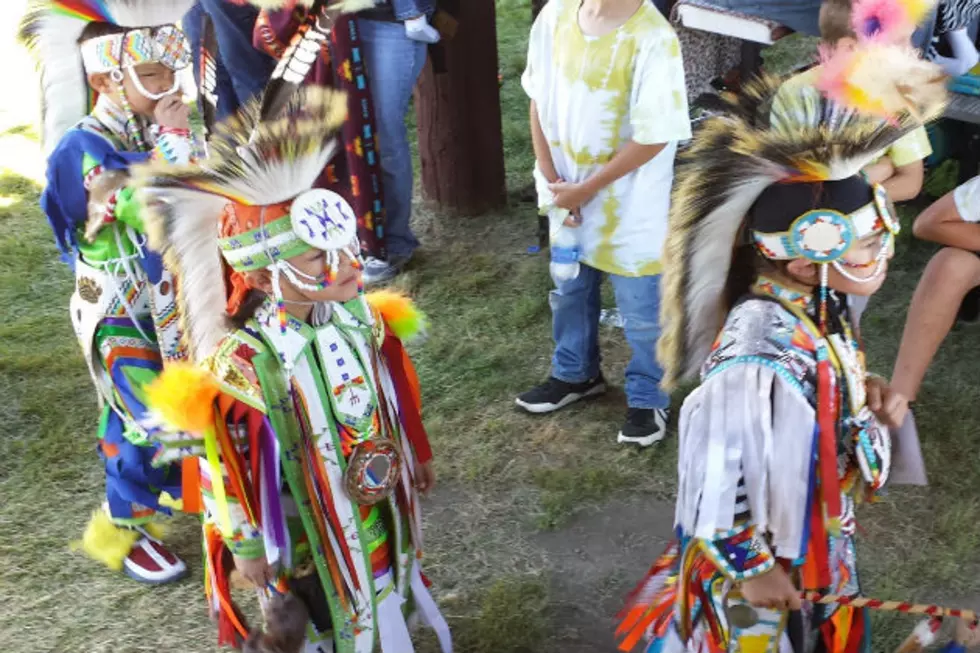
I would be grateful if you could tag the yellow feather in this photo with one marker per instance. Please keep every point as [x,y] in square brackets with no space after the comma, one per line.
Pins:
[182,397]
[105,542]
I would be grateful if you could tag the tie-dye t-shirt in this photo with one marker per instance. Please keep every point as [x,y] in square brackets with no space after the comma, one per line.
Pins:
[593,95]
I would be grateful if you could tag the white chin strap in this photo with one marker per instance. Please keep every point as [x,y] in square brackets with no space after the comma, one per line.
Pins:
[879,263]
[145,93]
[294,274]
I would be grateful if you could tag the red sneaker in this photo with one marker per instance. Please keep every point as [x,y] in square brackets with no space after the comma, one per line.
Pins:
[150,562]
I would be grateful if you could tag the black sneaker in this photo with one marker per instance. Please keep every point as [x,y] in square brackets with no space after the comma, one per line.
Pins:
[644,426]
[554,394]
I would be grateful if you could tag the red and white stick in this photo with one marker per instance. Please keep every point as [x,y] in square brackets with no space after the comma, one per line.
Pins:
[890,606]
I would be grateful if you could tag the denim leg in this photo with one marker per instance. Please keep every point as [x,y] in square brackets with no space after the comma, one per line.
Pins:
[575,308]
[405,9]
[248,69]
[638,299]
[394,63]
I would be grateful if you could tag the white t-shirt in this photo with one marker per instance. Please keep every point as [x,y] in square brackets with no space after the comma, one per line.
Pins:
[967,200]
[593,95]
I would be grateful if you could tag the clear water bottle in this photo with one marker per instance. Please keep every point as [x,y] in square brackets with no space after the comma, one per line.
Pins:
[564,247]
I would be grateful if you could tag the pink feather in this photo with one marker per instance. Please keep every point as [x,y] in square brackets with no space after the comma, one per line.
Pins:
[881,20]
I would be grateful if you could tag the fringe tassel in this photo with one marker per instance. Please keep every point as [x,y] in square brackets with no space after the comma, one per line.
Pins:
[827,419]
[232,626]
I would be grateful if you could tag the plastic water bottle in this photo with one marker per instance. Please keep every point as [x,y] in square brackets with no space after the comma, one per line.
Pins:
[564,247]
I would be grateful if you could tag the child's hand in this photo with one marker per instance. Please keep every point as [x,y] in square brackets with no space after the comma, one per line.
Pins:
[173,113]
[425,477]
[256,571]
[889,406]
[773,590]
[570,196]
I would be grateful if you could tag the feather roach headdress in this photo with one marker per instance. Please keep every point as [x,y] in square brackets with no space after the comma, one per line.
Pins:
[735,159]
[248,206]
[51,29]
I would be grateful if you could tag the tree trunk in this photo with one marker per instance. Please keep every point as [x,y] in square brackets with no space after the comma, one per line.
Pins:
[458,107]
[536,7]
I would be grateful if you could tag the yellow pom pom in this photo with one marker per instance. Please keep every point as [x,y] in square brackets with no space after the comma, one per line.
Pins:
[399,312]
[182,398]
[105,542]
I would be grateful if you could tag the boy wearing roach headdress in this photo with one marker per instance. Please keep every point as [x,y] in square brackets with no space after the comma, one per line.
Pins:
[124,55]
[770,228]
[305,408]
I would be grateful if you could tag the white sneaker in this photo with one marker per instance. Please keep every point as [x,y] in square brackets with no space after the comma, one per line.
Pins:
[418,29]
[378,271]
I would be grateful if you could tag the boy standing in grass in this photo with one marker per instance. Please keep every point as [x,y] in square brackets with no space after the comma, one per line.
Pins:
[124,307]
[608,106]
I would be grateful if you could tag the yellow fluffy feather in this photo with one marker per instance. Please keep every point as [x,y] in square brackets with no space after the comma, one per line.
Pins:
[182,398]
[105,542]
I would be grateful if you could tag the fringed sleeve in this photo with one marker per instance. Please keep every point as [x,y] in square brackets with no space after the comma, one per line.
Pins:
[746,423]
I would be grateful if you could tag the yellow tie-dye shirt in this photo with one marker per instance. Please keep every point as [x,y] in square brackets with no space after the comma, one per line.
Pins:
[593,95]
[798,95]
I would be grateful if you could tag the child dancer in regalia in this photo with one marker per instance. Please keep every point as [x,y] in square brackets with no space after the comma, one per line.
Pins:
[123,308]
[769,230]
[305,407]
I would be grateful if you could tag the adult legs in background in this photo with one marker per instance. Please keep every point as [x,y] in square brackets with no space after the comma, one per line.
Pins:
[406,9]
[242,71]
[394,63]
[949,278]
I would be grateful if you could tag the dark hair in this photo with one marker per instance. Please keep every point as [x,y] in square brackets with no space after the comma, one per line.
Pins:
[249,305]
[835,21]
[98,29]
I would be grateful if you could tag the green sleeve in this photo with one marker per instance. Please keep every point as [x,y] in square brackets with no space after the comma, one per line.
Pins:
[128,209]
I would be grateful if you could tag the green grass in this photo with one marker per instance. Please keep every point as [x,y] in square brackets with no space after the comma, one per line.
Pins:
[539,526]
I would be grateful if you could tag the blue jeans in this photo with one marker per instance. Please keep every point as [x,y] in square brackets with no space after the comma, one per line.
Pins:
[242,71]
[394,63]
[575,308]
[405,9]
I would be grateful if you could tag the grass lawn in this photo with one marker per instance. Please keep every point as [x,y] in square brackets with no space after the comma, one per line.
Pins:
[539,525]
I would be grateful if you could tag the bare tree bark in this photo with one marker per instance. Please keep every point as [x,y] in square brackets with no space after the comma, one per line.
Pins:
[458,107]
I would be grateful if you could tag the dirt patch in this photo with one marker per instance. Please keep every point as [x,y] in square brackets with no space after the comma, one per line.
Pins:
[589,564]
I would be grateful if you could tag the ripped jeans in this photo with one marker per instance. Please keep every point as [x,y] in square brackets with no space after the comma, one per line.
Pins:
[575,307]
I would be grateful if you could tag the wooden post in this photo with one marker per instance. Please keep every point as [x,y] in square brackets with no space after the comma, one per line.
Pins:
[458,107]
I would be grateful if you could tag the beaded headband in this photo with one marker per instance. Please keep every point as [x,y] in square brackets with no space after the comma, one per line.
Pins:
[317,219]
[166,45]
[825,235]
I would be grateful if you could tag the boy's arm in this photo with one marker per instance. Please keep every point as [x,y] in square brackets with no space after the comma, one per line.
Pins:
[542,151]
[905,158]
[629,158]
[952,219]
[906,182]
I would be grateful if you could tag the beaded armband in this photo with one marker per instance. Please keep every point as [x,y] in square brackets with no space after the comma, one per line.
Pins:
[740,553]
[173,146]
